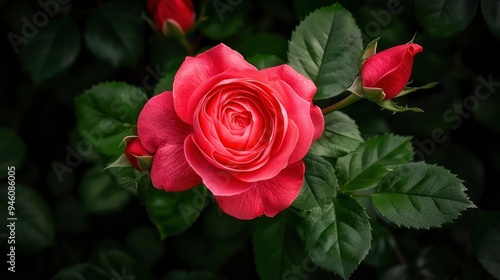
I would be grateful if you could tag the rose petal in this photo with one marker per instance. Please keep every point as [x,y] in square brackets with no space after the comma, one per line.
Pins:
[267,197]
[381,63]
[163,134]
[219,182]
[194,71]
[296,108]
[151,5]
[303,86]
[230,78]
[278,161]
[158,124]
[318,121]
[394,81]
[170,170]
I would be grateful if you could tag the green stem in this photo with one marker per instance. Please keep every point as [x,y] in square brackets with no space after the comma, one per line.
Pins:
[360,195]
[183,40]
[341,104]
[146,18]
[397,251]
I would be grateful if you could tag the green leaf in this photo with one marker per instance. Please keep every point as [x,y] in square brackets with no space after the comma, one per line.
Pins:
[277,245]
[173,212]
[365,167]
[220,226]
[304,7]
[420,195]
[225,19]
[340,137]
[338,236]
[145,245]
[69,215]
[263,43]
[103,110]
[490,10]
[165,84]
[12,149]
[53,50]
[432,263]
[453,157]
[204,252]
[113,33]
[438,263]
[262,61]
[82,271]
[383,246]
[117,264]
[487,112]
[166,54]
[34,225]
[400,272]
[320,184]
[100,193]
[190,275]
[15,12]
[445,18]
[326,47]
[486,241]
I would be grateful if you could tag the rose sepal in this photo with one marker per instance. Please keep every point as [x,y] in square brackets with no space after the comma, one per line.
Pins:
[357,87]
[122,161]
[172,29]
[377,95]
[144,162]
[412,89]
[133,129]
[148,20]
[395,108]
[369,50]
[127,139]
[372,94]
[199,19]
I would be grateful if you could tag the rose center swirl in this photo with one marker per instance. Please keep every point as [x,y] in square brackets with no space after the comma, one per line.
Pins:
[241,125]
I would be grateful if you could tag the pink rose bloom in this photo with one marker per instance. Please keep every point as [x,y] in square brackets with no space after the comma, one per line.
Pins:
[390,69]
[240,131]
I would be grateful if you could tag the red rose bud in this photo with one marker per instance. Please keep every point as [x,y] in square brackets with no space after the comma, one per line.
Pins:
[390,69]
[177,12]
[137,155]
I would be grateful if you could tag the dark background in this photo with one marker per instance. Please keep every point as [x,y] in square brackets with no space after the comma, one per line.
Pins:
[42,118]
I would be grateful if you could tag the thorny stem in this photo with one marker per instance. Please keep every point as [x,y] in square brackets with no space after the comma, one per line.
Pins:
[341,104]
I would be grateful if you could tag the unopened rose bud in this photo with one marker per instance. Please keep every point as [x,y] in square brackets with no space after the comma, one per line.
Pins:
[390,69]
[137,155]
[178,13]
